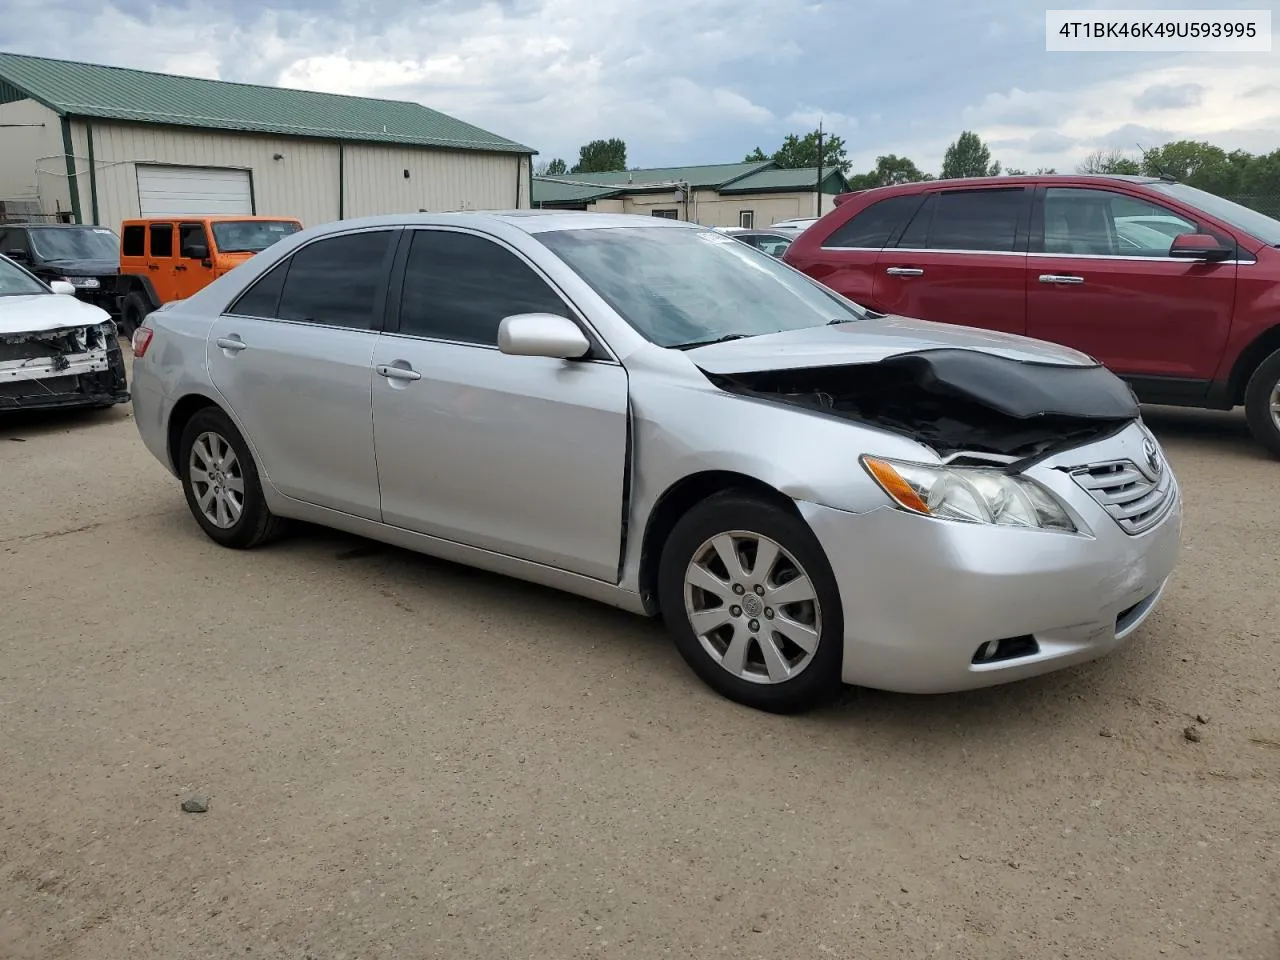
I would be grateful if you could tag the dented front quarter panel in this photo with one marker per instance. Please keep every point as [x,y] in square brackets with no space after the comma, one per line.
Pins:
[683,425]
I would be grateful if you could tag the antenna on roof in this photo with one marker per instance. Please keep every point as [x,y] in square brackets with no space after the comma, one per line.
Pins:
[1168,178]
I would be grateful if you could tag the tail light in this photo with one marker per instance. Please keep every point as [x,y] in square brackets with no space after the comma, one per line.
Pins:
[142,341]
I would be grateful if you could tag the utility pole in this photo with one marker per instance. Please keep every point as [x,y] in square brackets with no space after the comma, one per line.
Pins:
[819,166]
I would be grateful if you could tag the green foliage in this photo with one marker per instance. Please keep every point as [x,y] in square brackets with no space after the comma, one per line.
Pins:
[601,156]
[968,156]
[556,167]
[802,151]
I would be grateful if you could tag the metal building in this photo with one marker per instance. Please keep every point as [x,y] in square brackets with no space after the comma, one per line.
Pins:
[93,144]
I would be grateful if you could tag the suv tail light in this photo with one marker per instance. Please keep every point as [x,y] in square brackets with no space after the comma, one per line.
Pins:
[141,341]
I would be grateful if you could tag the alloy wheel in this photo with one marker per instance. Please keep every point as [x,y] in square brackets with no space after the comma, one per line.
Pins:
[752,607]
[217,480]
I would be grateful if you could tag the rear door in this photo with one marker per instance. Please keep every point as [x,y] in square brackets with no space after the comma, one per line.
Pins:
[192,269]
[524,456]
[1102,281]
[962,259]
[292,358]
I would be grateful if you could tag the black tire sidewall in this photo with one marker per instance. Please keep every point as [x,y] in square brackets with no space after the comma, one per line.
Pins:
[1257,403]
[254,518]
[132,312]
[719,514]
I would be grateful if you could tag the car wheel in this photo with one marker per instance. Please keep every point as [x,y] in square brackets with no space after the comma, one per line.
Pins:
[1262,403]
[747,592]
[221,484]
[132,312]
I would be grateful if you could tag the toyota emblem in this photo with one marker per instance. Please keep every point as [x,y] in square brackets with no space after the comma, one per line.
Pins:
[1153,456]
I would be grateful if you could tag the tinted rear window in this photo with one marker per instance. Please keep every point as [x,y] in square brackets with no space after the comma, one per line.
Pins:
[874,225]
[977,219]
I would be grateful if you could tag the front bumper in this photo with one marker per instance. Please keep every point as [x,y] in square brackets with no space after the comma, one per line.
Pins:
[921,597]
[94,378]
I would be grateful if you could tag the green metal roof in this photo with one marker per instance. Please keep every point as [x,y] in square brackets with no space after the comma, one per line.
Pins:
[730,178]
[778,179]
[139,96]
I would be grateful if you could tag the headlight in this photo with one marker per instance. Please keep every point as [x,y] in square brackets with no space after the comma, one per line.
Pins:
[969,494]
[83,283]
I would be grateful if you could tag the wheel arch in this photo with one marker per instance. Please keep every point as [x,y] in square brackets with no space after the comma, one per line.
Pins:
[1251,357]
[677,500]
[179,417]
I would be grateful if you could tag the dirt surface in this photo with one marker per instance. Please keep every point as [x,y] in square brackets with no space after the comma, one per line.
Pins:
[404,758]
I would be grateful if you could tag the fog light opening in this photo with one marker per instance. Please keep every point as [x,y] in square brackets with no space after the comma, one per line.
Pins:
[1010,648]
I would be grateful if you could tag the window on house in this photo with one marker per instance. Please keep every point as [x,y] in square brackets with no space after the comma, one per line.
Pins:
[746,218]
[666,214]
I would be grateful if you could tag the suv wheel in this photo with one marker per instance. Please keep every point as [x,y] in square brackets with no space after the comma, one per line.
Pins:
[746,590]
[1262,403]
[221,484]
[132,312]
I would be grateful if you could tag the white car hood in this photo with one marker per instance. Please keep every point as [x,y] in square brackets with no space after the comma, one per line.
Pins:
[37,312]
[868,341]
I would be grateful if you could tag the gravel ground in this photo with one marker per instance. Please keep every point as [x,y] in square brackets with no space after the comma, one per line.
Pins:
[403,758]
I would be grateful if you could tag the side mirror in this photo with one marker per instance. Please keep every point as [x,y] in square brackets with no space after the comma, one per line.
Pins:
[196,251]
[542,335]
[1199,246]
[62,288]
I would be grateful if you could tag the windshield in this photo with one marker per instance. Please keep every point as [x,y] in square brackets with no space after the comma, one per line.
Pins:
[250,236]
[1266,229]
[75,243]
[685,287]
[16,282]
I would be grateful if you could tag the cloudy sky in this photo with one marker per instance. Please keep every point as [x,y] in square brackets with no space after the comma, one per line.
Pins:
[700,81]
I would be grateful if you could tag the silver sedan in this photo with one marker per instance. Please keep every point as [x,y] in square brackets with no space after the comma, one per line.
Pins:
[654,415]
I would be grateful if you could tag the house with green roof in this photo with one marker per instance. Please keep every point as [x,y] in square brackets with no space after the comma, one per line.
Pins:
[752,194]
[86,143]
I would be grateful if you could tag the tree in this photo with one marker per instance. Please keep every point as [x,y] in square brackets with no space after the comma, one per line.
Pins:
[1109,161]
[968,156]
[601,156]
[890,169]
[797,151]
[556,167]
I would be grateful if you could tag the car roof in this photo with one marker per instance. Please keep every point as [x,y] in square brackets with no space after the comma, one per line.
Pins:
[526,221]
[917,186]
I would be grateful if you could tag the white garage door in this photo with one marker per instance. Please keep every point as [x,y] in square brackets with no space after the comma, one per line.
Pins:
[174,191]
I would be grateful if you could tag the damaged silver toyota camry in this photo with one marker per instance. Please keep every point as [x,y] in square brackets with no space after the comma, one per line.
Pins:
[55,350]
[654,415]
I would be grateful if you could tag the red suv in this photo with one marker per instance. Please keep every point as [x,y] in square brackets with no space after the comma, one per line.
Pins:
[1175,289]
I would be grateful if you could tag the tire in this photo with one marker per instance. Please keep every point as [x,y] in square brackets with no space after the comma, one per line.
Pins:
[132,312]
[714,655]
[1262,403]
[213,432]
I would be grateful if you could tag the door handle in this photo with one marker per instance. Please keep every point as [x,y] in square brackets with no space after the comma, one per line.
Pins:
[234,344]
[1059,278]
[904,272]
[152,266]
[397,373]
[181,266]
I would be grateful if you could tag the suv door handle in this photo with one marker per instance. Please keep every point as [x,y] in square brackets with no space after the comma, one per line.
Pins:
[1059,278]
[153,266]
[397,373]
[904,272]
[234,344]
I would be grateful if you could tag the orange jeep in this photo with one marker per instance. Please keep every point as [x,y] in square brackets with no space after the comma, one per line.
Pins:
[170,258]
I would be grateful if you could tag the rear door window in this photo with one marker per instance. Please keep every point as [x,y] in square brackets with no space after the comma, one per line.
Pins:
[873,227]
[339,281]
[979,220]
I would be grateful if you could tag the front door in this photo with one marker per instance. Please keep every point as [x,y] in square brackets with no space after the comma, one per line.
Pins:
[193,269]
[523,456]
[1101,280]
[292,358]
[962,259]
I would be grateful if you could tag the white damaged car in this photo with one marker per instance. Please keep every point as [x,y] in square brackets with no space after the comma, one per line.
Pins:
[55,350]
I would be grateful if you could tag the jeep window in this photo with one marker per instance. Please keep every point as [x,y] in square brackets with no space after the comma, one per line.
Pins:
[250,236]
[192,235]
[16,282]
[74,243]
[134,243]
[162,239]
[1266,229]
[873,226]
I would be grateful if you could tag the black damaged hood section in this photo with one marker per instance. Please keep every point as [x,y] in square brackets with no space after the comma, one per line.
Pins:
[958,400]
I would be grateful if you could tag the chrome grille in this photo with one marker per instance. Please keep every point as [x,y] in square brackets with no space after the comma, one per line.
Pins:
[1135,501]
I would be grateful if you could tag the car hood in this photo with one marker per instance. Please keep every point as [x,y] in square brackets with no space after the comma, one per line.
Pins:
[81,268]
[37,312]
[868,341]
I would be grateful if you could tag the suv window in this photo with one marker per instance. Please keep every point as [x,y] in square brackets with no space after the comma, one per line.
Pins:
[162,240]
[134,241]
[458,286]
[872,227]
[1092,222]
[192,234]
[338,280]
[976,219]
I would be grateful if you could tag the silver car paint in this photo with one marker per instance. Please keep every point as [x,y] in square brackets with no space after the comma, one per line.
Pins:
[681,427]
